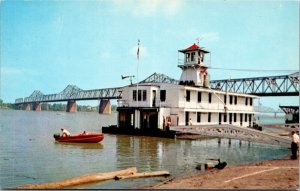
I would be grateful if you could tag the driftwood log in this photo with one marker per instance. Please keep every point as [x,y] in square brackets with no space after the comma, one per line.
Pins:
[143,175]
[84,179]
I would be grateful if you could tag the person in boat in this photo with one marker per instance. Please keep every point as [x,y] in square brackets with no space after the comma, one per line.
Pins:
[65,133]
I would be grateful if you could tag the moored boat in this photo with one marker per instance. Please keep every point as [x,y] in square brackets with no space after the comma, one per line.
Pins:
[80,138]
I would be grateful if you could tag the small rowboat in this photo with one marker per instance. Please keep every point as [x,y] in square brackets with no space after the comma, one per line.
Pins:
[80,138]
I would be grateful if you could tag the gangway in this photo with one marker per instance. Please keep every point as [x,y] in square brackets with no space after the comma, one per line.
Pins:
[234,132]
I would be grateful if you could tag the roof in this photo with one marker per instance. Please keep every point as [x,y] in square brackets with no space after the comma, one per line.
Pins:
[193,47]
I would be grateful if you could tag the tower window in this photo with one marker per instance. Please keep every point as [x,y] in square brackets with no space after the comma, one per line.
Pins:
[251,101]
[230,99]
[209,117]
[192,56]
[187,57]
[162,95]
[225,99]
[234,117]
[235,100]
[246,101]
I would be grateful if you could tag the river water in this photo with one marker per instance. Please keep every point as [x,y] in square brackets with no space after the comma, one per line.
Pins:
[29,153]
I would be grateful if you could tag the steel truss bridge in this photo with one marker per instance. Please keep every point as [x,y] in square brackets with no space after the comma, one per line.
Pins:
[286,85]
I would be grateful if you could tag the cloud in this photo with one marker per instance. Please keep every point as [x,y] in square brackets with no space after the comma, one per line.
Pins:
[149,7]
[8,71]
[209,37]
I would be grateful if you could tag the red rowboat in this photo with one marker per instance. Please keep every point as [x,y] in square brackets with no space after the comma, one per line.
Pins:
[80,138]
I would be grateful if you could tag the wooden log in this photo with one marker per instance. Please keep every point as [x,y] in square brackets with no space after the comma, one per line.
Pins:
[143,175]
[84,179]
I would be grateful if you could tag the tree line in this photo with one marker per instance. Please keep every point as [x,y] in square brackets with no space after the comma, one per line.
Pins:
[55,107]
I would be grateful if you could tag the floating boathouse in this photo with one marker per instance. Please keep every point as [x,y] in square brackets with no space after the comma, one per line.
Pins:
[154,107]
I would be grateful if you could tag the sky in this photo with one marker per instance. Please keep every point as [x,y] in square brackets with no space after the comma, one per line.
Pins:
[47,45]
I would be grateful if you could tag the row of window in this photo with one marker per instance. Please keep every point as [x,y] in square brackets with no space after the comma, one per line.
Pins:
[232,117]
[139,97]
[231,98]
[142,96]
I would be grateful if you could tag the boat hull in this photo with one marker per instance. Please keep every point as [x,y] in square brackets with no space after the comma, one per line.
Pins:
[81,138]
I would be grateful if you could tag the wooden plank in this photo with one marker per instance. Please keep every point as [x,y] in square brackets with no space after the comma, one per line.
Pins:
[84,179]
[144,175]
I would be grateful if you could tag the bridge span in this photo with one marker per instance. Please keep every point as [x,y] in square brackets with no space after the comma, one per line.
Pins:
[286,85]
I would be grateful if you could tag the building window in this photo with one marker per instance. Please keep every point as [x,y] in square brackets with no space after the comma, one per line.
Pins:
[209,117]
[246,115]
[251,101]
[144,95]
[134,95]
[241,119]
[199,96]
[246,101]
[192,56]
[198,117]
[140,95]
[225,117]
[187,57]
[230,99]
[230,118]
[225,99]
[209,98]
[234,117]
[162,95]
[235,100]
[188,95]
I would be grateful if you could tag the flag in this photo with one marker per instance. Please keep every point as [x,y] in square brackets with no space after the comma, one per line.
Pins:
[203,71]
[138,50]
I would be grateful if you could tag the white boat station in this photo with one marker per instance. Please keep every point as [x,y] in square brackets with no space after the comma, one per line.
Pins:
[157,106]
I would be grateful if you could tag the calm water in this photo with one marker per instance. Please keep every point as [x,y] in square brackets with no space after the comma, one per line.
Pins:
[29,153]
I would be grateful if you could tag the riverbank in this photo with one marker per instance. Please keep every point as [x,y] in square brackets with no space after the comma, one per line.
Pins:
[274,174]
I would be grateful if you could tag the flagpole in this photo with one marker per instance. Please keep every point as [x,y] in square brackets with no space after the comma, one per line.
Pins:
[137,83]
[137,73]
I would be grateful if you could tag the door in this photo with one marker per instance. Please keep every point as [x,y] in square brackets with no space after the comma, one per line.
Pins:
[153,98]
[187,118]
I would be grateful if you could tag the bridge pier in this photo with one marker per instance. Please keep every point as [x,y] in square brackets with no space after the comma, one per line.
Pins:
[105,107]
[71,106]
[27,107]
[37,106]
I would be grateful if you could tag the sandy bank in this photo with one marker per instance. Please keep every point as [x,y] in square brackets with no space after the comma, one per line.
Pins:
[271,174]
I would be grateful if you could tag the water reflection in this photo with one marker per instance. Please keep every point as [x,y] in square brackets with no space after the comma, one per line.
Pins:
[79,145]
[147,153]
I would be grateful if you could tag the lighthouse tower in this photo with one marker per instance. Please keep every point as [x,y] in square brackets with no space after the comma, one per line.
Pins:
[194,68]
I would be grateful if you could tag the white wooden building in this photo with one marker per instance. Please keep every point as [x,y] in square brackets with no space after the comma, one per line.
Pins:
[191,102]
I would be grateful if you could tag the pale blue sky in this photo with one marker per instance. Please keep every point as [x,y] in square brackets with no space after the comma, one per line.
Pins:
[46,45]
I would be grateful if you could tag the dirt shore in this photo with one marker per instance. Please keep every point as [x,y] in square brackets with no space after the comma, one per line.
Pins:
[280,174]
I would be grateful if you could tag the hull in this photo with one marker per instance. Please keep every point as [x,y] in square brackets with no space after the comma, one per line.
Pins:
[82,138]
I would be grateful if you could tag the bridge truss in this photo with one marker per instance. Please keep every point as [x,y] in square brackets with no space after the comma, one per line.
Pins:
[286,85]
[72,92]
[262,86]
